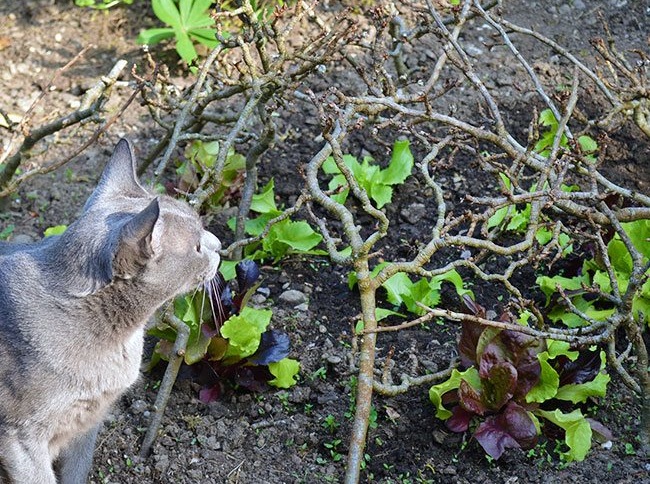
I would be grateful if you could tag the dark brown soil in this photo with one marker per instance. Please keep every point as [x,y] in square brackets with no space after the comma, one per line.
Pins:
[281,436]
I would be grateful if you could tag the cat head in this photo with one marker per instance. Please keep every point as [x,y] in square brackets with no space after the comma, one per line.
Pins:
[126,233]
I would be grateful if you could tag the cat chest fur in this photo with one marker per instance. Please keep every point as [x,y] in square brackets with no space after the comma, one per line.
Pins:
[88,395]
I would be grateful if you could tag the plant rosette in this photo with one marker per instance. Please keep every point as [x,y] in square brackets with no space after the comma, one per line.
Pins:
[511,387]
[230,341]
[591,289]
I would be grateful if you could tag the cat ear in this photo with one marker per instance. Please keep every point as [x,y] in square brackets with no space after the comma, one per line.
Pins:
[135,245]
[119,176]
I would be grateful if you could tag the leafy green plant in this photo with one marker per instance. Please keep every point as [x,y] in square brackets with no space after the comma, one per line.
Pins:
[101,4]
[402,291]
[330,423]
[284,238]
[200,156]
[512,218]
[376,181]
[509,381]
[543,146]
[188,21]
[7,231]
[590,291]
[231,339]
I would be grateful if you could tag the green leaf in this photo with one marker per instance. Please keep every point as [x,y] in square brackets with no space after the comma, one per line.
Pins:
[547,118]
[184,7]
[548,284]
[519,220]
[400,166]
[580,392]
[639,233]
[166,11]
[543,236]
[196,349]
[587,144]
[577,432]
[381,194]
[184,46]
[396,287]
[498,216]
[227,269]
[548,383]
[154,36]
[285,372]
[199,15]
[381,313]
[421,291]
[264,202]
[297,235]
[204,36]
[56,230]
[619,256]
[454,277]
[244,331]
[453,383]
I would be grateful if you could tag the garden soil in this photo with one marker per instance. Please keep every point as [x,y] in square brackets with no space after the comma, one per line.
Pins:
[284,436]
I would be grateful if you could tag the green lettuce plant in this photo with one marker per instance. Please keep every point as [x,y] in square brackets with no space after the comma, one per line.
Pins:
[401,291]
[376,181]
[284,238]
[590,291]
[200,157]
[232,340]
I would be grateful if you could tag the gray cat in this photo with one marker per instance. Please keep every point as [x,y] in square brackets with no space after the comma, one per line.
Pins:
[72,315]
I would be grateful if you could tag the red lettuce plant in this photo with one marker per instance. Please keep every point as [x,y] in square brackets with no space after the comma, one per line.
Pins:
[508,380]
[230,341]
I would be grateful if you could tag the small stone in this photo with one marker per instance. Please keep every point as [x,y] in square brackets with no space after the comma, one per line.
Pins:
[293,297]
[258,299]
[139,406]
[304,307]
[22,239]
[162,463]
[264,291]
[333,359]
[299,394]
[413,213]
[449,471]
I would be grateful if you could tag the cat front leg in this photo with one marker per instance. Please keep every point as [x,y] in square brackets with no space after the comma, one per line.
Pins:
[24,462]
[75,461]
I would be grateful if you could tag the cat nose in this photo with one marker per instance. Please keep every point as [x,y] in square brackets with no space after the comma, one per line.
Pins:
[210,241]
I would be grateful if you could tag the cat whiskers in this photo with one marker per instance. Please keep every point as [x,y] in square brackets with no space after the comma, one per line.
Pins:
[213,289]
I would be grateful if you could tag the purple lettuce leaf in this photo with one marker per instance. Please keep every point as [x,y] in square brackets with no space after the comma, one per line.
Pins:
[274,346]
[512,428]
[499,386]
[470,399]
[523,350]
[600,432]
[459,420]
[210,394]
[252,378]
[581,370]
[247,273]
[470,334]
